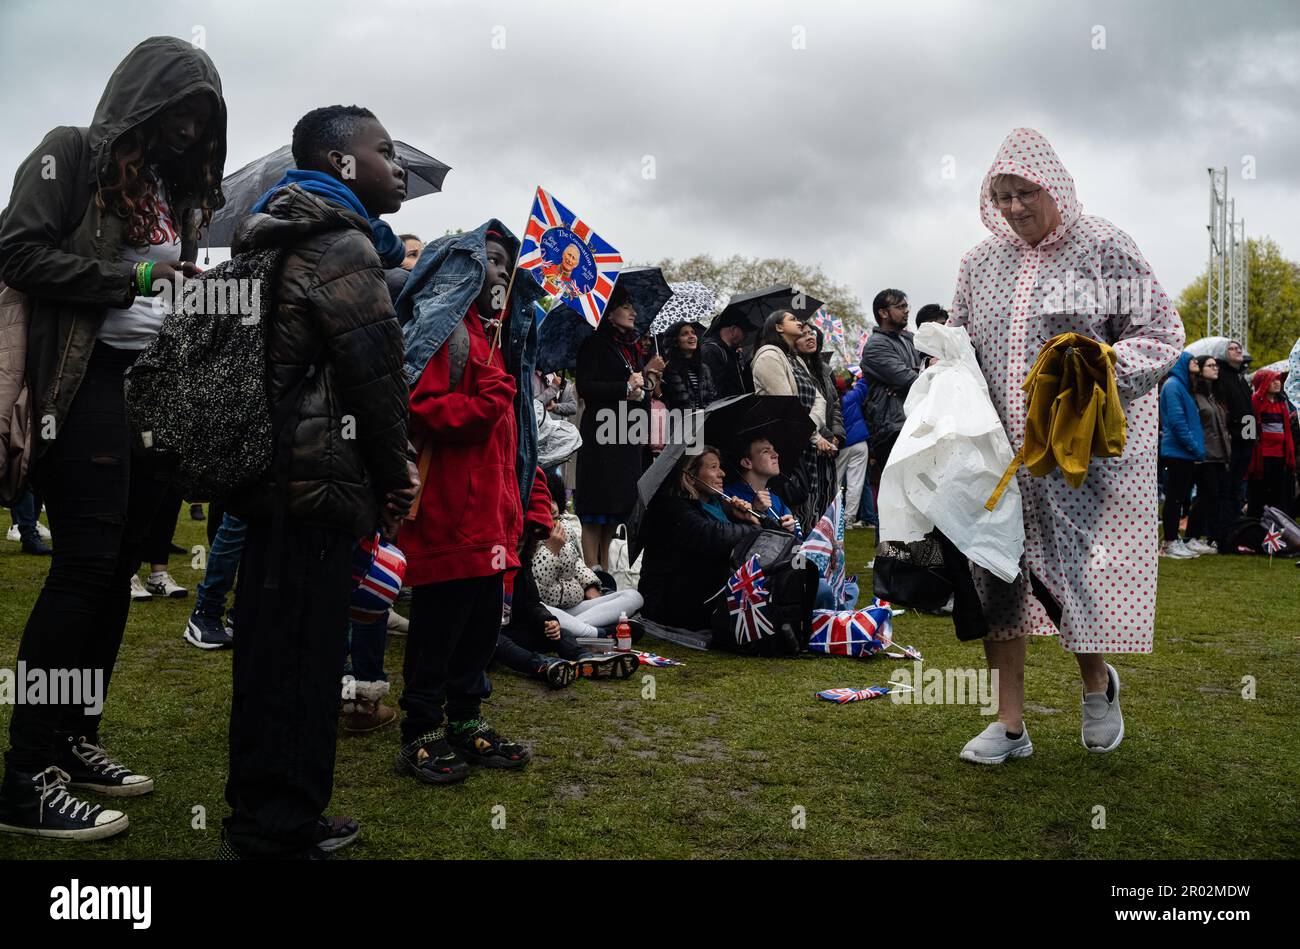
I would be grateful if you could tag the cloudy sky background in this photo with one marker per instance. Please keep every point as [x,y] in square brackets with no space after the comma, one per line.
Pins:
[832,154]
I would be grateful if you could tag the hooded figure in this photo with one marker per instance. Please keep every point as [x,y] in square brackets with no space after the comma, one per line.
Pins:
[73,280]
[1274,426]
[1093,548]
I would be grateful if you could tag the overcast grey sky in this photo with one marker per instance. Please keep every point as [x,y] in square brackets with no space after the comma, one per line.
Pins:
[833,153]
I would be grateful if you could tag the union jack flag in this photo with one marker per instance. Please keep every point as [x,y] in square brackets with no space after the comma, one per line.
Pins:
[585,289]
[659,662]
[747,596]
[377,572]
[1273,539]
[862,344]
[840,696]
[825,543]
[837,333]
[847,633]
[819,320]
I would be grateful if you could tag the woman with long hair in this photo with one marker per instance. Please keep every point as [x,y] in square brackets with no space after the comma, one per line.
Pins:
[688,535]
[811,349]
[687,382]
[779,371]
[1211,509]
[119,218]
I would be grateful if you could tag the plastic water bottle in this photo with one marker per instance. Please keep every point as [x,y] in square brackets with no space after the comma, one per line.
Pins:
[623,634]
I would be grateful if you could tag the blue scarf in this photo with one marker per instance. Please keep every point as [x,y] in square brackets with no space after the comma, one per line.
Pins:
[390,249]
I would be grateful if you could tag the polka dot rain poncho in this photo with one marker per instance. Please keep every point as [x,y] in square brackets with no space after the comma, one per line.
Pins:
[1095,548]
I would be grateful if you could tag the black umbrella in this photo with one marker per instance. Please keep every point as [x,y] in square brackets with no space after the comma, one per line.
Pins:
[749,310]
[424,175]
[564,329]
[729,425]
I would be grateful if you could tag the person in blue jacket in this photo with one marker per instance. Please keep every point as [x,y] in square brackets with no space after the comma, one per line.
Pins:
[1182,445]
[854,456]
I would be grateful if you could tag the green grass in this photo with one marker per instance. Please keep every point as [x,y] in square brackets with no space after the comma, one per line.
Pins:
[714,765]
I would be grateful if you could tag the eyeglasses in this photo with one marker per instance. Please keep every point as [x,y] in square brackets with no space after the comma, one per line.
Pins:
[1027,198]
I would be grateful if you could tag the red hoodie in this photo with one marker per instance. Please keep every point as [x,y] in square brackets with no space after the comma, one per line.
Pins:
[469,520]
[1274,417]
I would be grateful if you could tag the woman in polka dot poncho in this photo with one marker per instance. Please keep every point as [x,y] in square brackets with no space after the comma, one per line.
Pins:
[1092,551]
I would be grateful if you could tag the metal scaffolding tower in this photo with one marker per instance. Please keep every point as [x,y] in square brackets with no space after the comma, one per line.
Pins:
[1227,283]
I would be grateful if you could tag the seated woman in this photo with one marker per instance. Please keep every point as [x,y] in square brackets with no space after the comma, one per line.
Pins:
[571,592]
[688,535]
[531,633]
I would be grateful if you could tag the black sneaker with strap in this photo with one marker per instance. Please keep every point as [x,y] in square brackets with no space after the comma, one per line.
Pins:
[479,744]
[430,758]
[38,805]
[92,768]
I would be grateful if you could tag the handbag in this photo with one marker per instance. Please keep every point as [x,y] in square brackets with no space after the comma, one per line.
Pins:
[911,574]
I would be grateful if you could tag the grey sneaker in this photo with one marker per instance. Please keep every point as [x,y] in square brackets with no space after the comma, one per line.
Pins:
[992,746]
[1198,546]
[1103,724]
[1175,550]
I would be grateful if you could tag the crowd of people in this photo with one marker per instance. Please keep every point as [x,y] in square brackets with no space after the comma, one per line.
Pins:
[463,459]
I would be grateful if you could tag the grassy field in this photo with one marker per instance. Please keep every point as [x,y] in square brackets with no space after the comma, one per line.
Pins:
[734,758]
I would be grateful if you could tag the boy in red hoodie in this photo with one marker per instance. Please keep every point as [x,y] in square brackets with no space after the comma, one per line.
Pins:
[460,543]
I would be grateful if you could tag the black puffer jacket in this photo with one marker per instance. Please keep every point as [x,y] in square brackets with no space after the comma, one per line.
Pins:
[687,560]
[679,392]
[332,328]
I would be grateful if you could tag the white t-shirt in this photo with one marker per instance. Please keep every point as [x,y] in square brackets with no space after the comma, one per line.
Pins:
[135,326]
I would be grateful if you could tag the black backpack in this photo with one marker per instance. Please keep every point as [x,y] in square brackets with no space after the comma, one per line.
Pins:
[792,589]
[196,397]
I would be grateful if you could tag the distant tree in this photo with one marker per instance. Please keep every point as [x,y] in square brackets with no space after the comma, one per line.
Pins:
[737,274]
[1273,304]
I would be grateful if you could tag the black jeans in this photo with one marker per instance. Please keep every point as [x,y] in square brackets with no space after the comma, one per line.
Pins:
[1179,476]
[453,634]
[1210,513]
[524,650]
[285,704]
[100,499]
[1275,487]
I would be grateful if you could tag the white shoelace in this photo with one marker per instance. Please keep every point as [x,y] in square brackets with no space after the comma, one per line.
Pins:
[96,756]
[54,782]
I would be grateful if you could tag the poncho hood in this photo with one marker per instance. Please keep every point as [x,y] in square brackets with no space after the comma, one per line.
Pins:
[1027,154]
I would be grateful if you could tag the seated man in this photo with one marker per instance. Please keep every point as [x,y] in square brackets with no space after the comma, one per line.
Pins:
[756,468]
[759,464]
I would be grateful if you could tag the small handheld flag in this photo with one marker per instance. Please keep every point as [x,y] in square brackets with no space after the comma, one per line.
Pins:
[843,696]
[1273,540]
[658,662]
[569,260]
[747,596]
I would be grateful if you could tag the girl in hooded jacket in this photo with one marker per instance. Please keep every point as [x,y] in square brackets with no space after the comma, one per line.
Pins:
[1272,467]
[116,222]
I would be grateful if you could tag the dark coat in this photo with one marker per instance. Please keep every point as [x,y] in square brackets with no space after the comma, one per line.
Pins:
[333,346]
[890,364]
[727,366]
[825,381]
[687,559]
[608,473]
[677,389]
[1236,396]
[56,246]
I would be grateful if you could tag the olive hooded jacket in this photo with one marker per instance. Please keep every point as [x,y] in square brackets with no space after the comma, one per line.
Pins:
[62,251]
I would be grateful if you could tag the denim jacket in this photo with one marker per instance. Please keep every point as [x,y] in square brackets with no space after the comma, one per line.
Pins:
[445,281]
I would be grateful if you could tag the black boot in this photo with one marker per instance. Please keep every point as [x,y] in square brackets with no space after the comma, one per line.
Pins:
[38,804]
